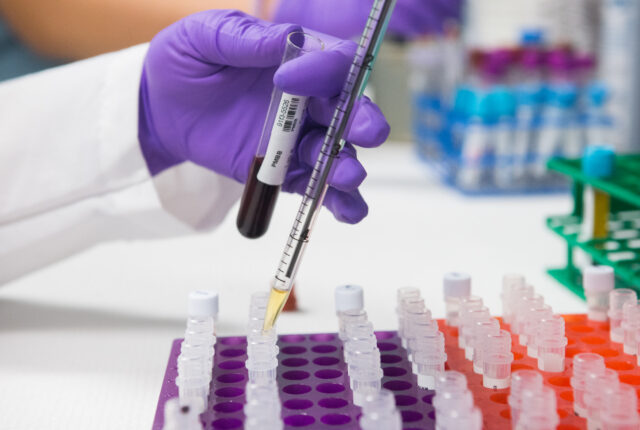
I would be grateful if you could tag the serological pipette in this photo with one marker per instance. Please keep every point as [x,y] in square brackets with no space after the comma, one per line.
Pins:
[334,141]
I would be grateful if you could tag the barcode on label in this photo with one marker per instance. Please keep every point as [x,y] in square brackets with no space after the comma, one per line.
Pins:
[289,121]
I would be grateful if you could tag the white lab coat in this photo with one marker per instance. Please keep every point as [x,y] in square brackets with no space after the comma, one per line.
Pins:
[72,173]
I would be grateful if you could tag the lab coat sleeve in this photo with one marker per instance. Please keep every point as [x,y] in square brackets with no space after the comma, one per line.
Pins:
[72,173]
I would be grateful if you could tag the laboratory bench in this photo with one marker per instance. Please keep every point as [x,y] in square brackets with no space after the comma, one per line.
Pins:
[84,343]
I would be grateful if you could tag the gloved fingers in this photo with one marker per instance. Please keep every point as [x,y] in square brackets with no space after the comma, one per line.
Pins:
[347,173]
[232,38]
[317,73]
[368,128]
[348,207]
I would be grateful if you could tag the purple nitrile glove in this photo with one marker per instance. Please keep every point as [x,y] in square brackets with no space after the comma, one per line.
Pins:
[346,19]
[206,87]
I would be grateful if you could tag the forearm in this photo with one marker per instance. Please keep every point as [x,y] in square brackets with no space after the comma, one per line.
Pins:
[76,29]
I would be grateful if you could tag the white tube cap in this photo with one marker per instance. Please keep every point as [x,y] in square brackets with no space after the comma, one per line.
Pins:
[456,284]
[349,297]
[203,303]
[598,279]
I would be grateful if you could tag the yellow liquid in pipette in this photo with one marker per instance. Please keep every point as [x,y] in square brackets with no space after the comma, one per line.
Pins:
[277,299]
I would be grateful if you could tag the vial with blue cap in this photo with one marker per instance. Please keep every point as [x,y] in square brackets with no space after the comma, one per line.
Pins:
[598,124]
[504,105]
[475,143]
[598,163]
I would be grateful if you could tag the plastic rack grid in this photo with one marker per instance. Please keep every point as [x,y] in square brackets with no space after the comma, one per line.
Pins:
[315,391]
[621,248]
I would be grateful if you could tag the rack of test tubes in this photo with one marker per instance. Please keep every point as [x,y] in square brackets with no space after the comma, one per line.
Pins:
[531,369]
[488,117]
[605,220]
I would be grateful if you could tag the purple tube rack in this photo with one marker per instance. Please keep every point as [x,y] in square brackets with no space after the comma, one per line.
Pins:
[313,382]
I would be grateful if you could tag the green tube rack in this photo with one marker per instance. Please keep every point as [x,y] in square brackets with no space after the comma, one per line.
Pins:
[621,248]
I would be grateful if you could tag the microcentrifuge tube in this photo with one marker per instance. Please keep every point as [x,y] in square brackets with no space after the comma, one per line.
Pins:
[521,381]
[349,317]
[532,318]
[472,317]
[429,364]
[347,298]
[523,305]
[275,148]
[430,339]
[596,385]
[617,298]
[455,285]
[262,410]
[619,410]
[496,369]
[630,326]
[379,412]
[598,282]
[366,378]
[404,293]
[550,343]
[470,419]
[584,364]
[494,340]
[466,305]
[510,282]
[451,393]
[539,410]
[480,332]
[182,415]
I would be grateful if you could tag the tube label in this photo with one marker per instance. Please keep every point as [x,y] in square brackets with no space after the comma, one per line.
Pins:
[282,141]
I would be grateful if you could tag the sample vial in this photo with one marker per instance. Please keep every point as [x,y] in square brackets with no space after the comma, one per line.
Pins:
[451,393]
[540,410]
[619,410]
[584,364]
[617,298]
[347,298]
[262,410]
[455,285]
[532,319]
[404,293]
[379,412]
[492,340]
[598,282]
[550,344]
[522,305]
[598,162]
[481,331]
[596,385]
[275,148]
[510,282]
[496,371]
[185,416]
[470,419]
[472,317]
[521,381]
[630,326]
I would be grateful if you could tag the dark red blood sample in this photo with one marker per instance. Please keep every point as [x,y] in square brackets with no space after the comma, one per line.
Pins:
[257,204]
[292,302]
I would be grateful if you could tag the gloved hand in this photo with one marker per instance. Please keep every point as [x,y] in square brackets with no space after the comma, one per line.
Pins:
[206,87]
[346,19]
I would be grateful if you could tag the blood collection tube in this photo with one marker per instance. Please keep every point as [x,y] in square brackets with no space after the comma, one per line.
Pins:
[277,143]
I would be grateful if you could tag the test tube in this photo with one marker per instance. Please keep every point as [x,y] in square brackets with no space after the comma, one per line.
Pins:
[598,282]
[404,293]
[496,370]
[482,330]
[467,304]
[456,286]
[598,162]
[617,299]
[379,412]
[493,340]
[451,393]
[262,410]
[523,305]
[353,316]
[584,364]
[540,411]
[275,148]
[472,317]
[531,323]
[630,326]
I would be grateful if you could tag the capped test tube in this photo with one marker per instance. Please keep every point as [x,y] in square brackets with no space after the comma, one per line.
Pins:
[275,148]
[598,282]
[617,299]
[584,364]
[347,298]
[379,412]
[522,380]
[456,286]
